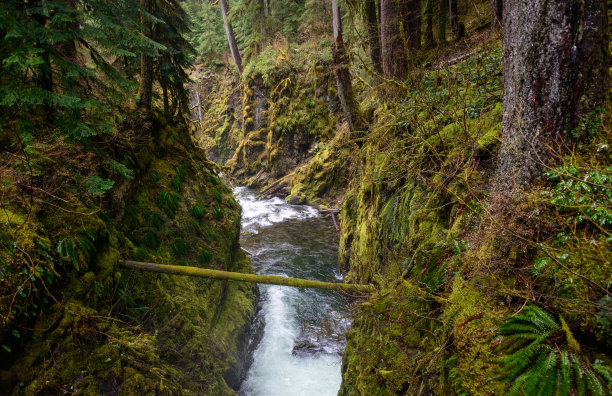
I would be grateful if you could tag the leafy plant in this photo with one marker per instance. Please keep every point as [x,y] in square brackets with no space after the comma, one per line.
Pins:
[168,201]
[157,220]
[582,194]
[545,358]
[198,210]
[97,186]
[217,212]
[217,196]
[179,247]
[77,250]
[204,256]
[151,240]
[121,169]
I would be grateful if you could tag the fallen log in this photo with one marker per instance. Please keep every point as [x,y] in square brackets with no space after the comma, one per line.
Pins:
[242,277]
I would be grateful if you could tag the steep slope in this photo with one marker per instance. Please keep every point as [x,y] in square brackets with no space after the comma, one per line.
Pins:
[72,322]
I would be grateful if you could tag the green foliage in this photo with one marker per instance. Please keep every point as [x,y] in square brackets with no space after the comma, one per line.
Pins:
[157,220]
[584,195]
[217,212]
[544,357]
[168,202]
[176,183]
[206,34]
[198,210]
[77,249]
[119,168]
[204,256]
[97,186]
[217,196]
[151,240]
[179,247]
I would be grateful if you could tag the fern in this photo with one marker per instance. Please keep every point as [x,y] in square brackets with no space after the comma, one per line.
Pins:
[198,210]
[541,364]
[77,250]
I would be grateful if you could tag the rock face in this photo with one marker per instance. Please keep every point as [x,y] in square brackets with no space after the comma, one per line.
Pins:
[134,332]
[555,71]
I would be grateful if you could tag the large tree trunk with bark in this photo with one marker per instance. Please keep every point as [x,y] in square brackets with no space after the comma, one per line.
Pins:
[343,76]
[555,71]
[442,15]
[411,12]
[146,61]
[453,11]
[429,36]
[400,22]
[373,34]
[229,32]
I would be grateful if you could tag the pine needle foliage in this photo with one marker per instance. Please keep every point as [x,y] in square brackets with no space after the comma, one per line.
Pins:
[544,358]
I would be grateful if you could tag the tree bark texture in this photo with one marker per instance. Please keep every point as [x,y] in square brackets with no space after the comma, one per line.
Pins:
[373,35]
[442,15]
[454,16]
[341,66]
[555,71]
[497,7]
[400,24]
[429,36]
[411,11]
[146,61]
[262,23]
[229,32]
[242,277]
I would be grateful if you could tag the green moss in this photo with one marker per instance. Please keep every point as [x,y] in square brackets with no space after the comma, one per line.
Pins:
[135,332]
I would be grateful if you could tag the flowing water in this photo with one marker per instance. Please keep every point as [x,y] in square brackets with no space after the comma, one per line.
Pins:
[303,336]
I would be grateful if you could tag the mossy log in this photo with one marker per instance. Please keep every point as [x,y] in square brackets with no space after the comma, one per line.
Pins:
[242,277]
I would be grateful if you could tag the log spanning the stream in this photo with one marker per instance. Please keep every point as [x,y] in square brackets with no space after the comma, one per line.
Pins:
[242,277]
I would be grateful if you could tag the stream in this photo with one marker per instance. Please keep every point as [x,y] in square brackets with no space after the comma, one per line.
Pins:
[303,329]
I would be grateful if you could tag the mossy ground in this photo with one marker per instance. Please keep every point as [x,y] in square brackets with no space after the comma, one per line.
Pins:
[83,326]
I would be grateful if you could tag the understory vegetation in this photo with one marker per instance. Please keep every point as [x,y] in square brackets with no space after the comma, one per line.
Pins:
[481,290]
[462,147]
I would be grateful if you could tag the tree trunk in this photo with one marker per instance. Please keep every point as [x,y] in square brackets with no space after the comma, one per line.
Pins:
[454,17]
[394,52]
[411,13]
[44,72]
[400,22]
[165,99]
[262,23]
[429,36]
[343,76]
[555,71]
[146,61]
[242,277]
[68,47]
[442,15]
[268,7]
[497,7]
[373,35]
[229,32]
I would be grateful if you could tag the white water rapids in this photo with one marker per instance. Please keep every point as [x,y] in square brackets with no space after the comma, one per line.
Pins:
[303,336]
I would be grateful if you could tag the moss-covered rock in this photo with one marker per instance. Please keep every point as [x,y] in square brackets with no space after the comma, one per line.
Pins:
[101,331]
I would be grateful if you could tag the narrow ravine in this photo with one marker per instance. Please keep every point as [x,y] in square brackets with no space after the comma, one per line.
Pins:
[303,336]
